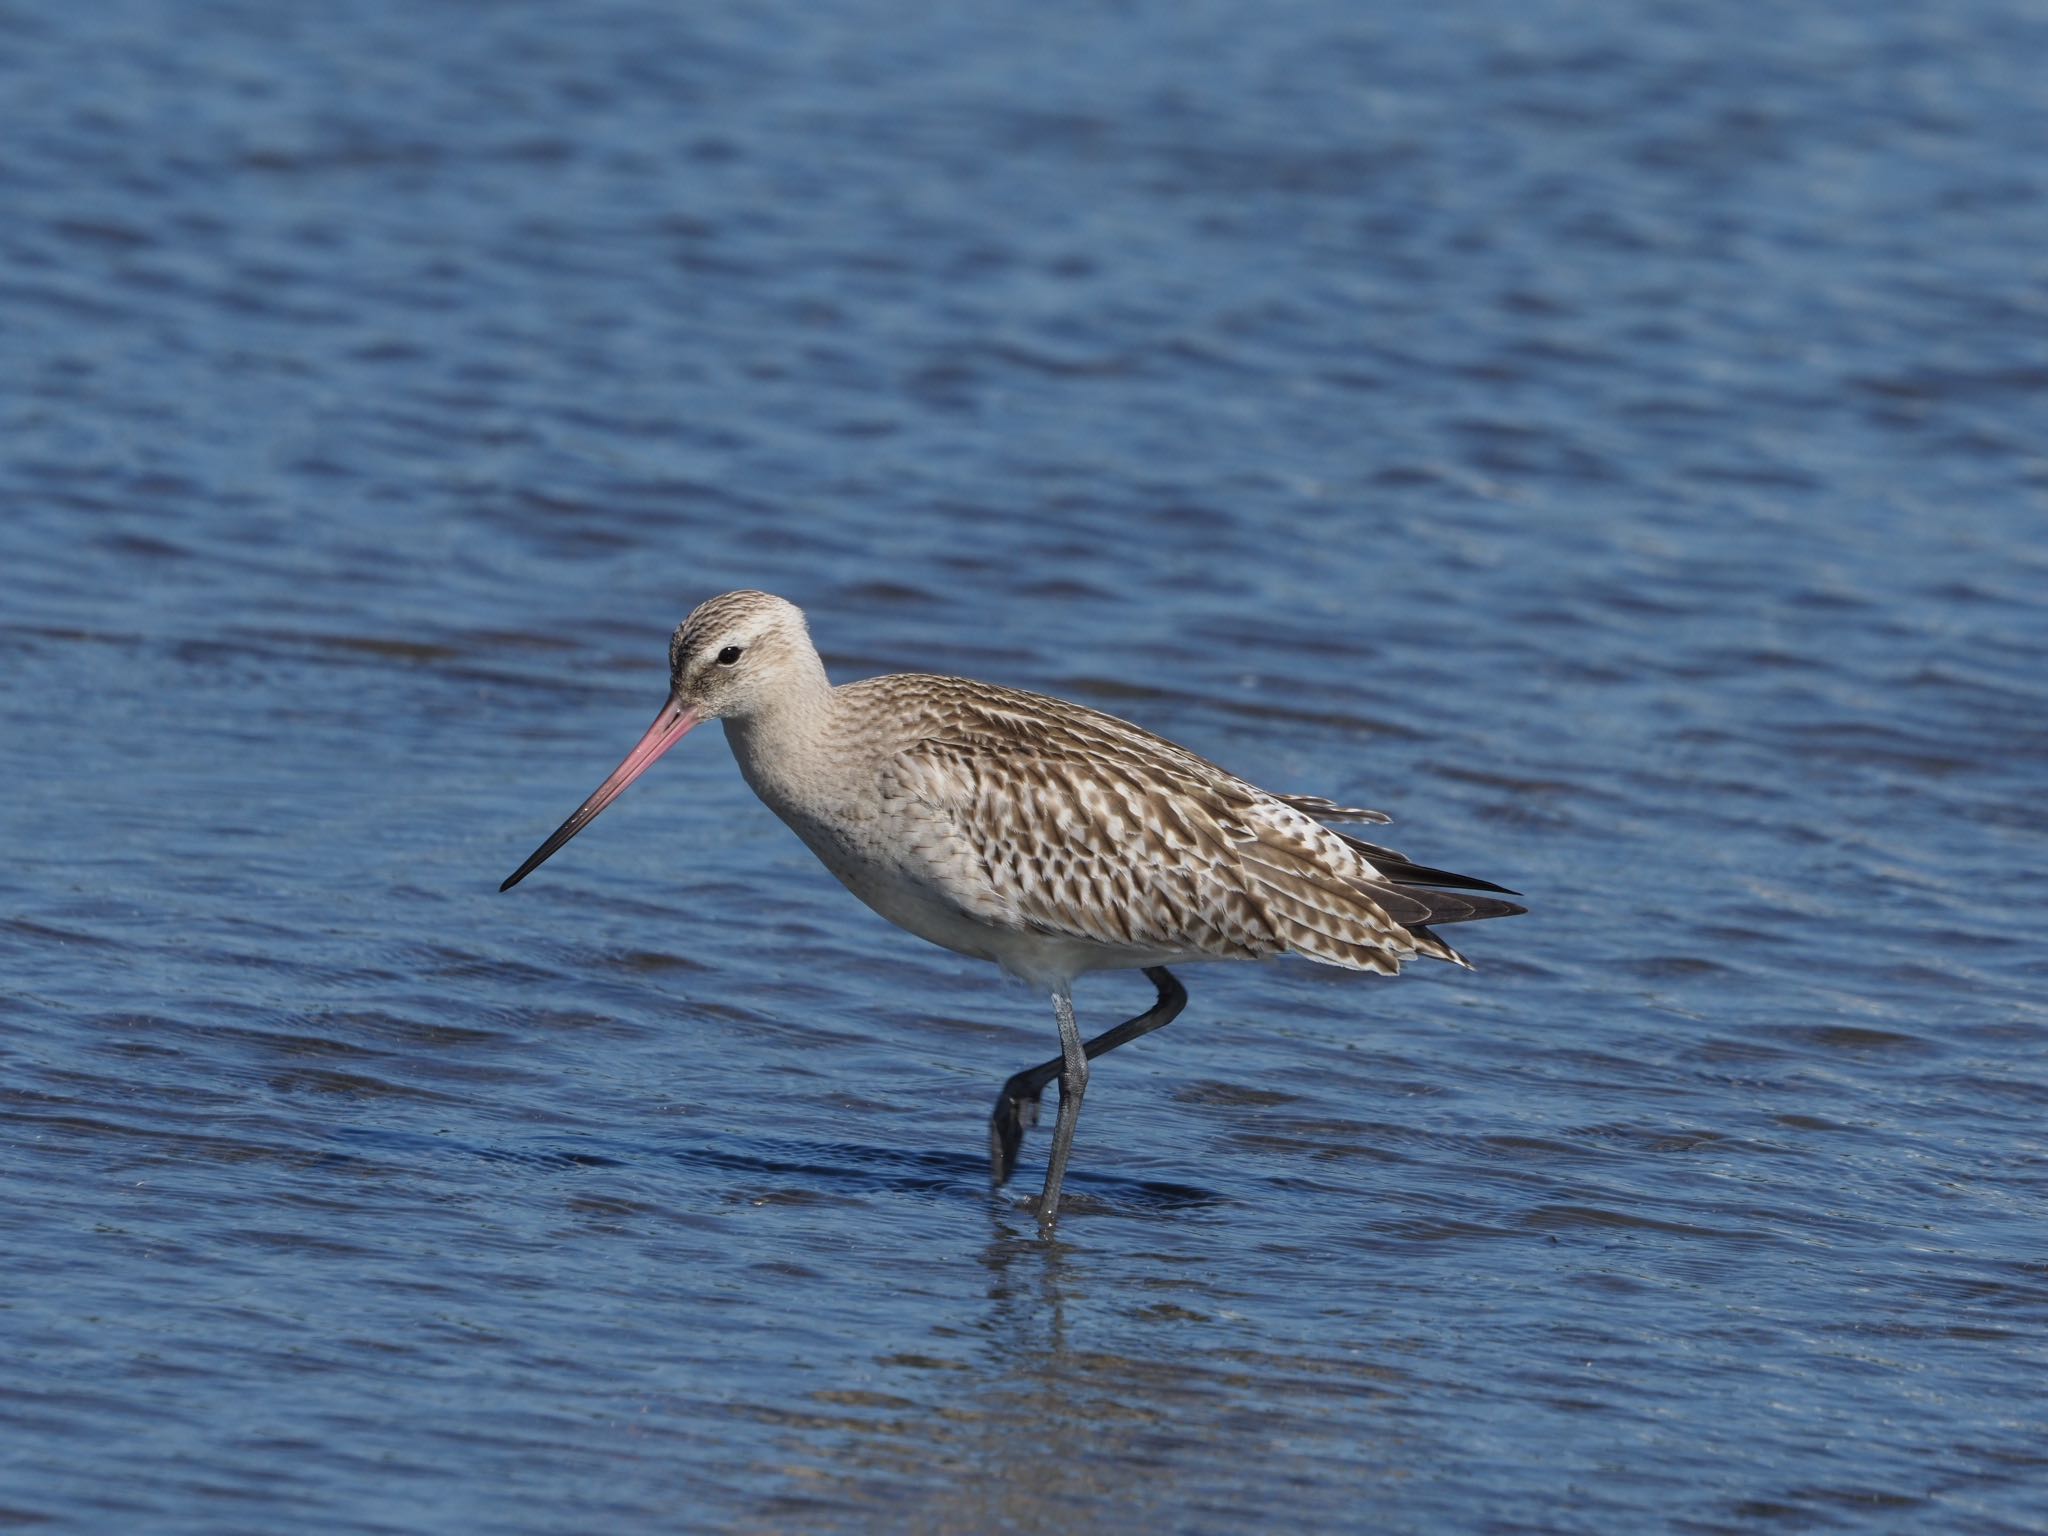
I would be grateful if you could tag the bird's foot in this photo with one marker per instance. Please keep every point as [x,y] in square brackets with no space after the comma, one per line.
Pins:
[1015,1113]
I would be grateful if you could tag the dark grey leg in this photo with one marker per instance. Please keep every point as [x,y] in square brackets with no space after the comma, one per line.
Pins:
[1073,1083]
[1017,1105]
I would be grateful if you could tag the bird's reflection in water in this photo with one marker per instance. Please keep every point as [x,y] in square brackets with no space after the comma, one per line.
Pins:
[1028,1282]
[1091,1388]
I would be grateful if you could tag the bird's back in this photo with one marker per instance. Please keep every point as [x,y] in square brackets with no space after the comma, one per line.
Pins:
[1066,839]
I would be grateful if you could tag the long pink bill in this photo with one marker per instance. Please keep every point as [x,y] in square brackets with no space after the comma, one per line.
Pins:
[670,726]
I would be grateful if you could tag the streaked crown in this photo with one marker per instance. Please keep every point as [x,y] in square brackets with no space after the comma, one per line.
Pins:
[739,650]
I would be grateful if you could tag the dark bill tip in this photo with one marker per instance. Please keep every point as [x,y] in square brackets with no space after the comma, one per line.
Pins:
[670,727]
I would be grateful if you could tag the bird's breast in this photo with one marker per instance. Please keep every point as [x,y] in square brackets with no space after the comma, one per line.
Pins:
[890,850]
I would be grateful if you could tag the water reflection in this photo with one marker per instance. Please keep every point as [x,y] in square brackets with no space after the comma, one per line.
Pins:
[1073,1403]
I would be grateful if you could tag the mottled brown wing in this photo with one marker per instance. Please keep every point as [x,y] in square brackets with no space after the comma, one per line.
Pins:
[1093,829]
[1329,810]
[1093,850]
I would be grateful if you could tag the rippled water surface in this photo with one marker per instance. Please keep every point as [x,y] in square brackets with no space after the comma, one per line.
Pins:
[1610,438]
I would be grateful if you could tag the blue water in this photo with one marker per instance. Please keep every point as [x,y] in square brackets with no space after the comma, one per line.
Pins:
[1609,438]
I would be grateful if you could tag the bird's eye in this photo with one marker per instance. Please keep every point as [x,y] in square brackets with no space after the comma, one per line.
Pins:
[728,656]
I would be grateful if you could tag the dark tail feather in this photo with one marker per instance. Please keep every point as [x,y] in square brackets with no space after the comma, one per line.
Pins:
[1397,870]
[1447,907]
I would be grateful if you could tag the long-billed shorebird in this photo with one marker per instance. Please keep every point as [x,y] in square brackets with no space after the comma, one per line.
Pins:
[1045,836]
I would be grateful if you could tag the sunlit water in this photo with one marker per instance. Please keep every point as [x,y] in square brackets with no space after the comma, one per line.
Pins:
[1609,439]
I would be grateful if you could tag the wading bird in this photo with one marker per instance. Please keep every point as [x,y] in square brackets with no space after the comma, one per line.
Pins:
[1045,836]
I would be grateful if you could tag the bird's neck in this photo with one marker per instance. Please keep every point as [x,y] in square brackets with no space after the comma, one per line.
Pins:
[779,744]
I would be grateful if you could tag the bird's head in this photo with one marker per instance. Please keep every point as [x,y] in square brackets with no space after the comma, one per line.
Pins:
[729,660]
[735,653]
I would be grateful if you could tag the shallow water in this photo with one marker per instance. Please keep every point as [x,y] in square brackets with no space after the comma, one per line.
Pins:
[1609,439]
